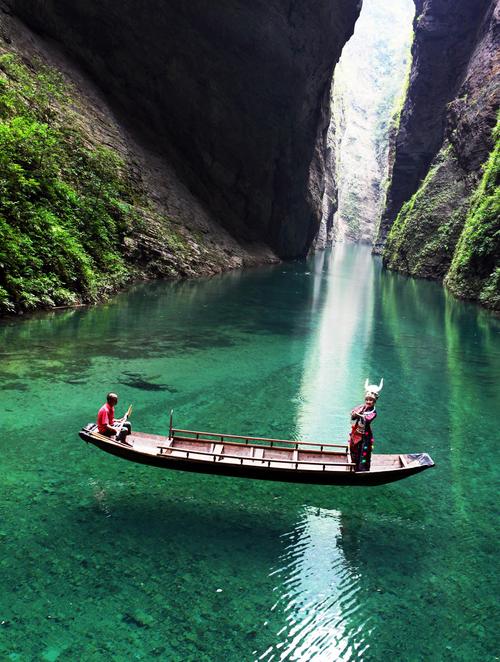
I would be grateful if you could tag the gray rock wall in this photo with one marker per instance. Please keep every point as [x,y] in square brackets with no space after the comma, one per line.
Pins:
[446,34]
[449,228]
[235,93]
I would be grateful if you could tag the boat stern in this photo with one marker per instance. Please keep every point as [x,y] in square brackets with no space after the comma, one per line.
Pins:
[423,459]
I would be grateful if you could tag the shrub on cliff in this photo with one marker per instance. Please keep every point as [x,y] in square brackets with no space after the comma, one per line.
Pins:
[63,205]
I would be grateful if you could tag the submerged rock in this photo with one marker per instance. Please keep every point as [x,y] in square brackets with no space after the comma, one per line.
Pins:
[139,618]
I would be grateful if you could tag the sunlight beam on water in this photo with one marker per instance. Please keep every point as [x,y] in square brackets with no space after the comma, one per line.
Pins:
[334,364]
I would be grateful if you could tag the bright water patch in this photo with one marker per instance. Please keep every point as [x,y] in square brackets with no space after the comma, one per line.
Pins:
[105,560]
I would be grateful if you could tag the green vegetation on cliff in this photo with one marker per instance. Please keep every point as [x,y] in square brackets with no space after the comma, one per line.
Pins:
[64,204]
[86,207]
[423,237]
[474,271]
[448,231]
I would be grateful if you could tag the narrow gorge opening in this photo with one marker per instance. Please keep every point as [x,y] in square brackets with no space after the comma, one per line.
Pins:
[367,95]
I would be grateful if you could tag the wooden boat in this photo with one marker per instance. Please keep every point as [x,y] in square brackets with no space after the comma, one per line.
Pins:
[257,457]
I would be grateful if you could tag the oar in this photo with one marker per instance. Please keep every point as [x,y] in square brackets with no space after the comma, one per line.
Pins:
[126,416]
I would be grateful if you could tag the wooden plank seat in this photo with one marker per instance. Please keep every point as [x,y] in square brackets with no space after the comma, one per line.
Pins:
[217,450]
[349,466]
[180,452]
[258,453]
[256,457]
[166,448]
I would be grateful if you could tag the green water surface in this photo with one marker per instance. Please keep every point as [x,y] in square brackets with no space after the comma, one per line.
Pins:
[106,560]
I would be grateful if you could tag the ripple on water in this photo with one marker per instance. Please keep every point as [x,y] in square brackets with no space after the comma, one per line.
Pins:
[317,592]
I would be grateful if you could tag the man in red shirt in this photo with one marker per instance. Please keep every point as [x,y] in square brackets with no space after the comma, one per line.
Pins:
[106,423]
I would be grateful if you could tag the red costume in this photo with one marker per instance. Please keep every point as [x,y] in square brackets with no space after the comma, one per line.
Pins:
[361,438]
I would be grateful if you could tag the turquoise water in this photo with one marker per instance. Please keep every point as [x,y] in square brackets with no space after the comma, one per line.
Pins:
[105,560]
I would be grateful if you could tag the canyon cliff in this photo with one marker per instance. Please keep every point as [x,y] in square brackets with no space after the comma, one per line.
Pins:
[444,160]
[198,138]
[235,94]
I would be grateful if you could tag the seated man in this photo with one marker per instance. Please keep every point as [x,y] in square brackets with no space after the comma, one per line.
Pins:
[106,423]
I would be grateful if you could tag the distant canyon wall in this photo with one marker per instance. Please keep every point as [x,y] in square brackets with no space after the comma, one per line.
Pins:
[368,82]
[234,93]
[441,214]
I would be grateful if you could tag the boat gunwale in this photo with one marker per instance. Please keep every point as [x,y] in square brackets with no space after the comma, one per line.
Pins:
[247,439]
[260,460]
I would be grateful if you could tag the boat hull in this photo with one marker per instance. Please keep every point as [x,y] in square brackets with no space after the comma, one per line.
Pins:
[254,470]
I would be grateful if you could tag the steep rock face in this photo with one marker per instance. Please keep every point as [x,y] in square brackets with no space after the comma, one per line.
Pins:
[326,234]
[103,210]
[445,223]
[236,93]
[475,270]
[447,33]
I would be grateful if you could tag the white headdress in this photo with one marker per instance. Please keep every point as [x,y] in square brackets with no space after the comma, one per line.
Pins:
[373,389]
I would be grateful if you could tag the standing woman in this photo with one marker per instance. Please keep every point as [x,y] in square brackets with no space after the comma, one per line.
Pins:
[361,438]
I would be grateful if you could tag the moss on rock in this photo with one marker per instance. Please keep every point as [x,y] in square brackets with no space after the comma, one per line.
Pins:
[423,238]
[80,213]
[450,229]
[474,271]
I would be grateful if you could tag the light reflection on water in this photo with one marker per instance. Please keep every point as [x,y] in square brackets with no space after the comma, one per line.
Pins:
[316,592]
[335,352]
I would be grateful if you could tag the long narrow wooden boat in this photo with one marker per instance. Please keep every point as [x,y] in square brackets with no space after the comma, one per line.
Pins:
[257,457]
